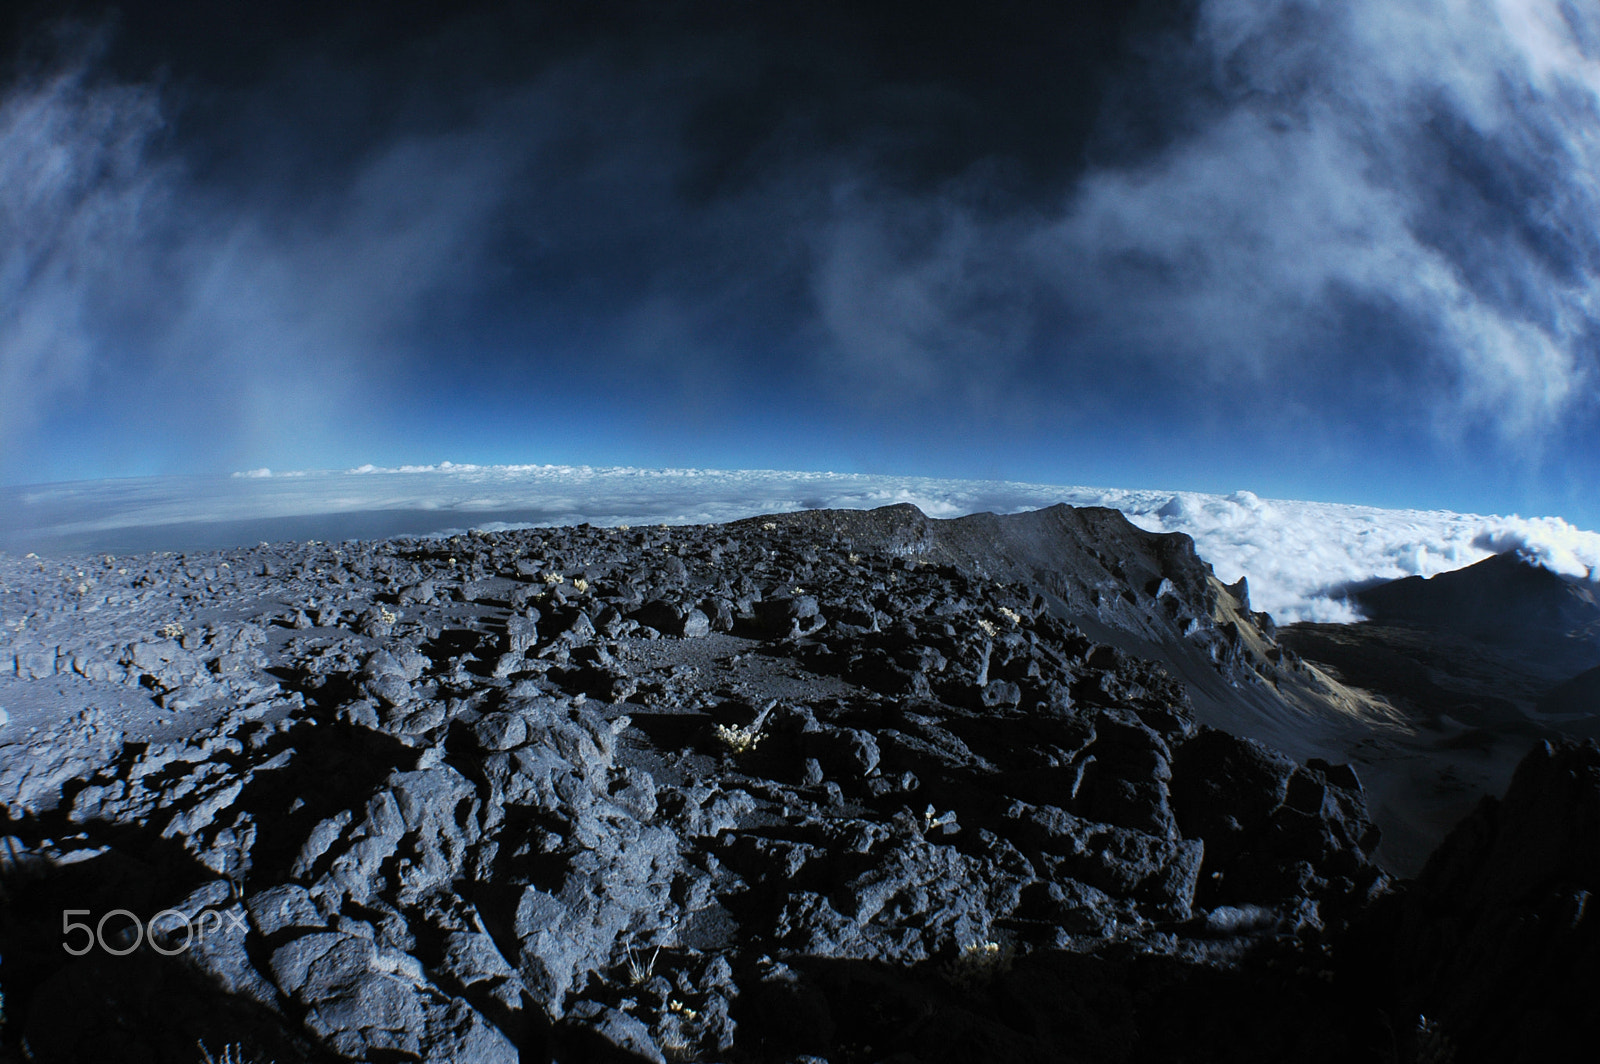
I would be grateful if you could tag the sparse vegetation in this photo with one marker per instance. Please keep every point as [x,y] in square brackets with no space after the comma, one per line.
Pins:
[743,739]
[739,740]
[978,964]
[677,1048]
[232,1053]
[639,971]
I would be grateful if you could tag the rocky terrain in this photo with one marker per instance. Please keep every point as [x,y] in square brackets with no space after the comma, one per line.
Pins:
[831,786]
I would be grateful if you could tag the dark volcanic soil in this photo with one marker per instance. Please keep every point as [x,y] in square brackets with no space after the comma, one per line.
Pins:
[823,787]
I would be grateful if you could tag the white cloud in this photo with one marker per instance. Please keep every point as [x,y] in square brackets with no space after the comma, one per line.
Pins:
[1431,163]
[1309,187]
[1549,541]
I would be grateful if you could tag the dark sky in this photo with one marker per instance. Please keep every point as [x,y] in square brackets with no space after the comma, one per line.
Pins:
[1334,251]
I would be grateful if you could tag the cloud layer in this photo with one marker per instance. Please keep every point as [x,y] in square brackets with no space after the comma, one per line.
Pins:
[1300,557]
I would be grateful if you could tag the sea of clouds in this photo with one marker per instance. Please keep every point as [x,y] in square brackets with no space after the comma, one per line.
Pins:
[1301,558]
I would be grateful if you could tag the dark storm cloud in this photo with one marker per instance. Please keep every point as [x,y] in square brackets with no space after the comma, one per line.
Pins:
[269,226]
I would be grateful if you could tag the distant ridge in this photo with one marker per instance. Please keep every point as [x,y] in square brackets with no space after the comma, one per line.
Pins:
[1299,555]
[1504,600]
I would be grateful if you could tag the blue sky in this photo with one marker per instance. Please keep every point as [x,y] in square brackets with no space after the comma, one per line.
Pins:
[1326,251]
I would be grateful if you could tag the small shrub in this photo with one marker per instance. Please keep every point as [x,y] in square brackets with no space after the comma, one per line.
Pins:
[739,740]
[979,964]
[170,630]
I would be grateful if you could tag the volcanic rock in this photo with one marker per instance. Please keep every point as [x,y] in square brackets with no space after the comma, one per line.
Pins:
[801,786]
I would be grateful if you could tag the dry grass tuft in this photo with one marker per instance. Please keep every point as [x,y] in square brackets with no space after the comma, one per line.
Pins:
[233,1053]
